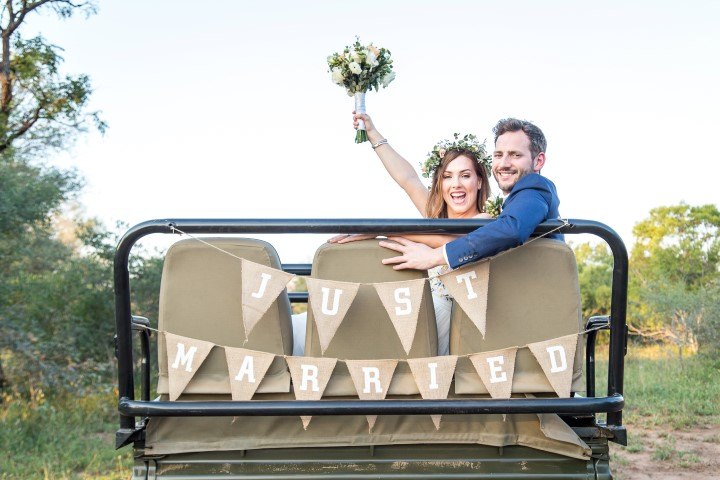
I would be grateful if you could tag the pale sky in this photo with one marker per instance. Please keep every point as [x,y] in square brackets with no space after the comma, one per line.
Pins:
[225,109]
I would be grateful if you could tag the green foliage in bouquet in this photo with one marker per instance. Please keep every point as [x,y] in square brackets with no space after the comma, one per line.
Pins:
[361,68]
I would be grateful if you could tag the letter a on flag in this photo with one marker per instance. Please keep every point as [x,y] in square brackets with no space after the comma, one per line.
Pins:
[402,301]
[469,287]
[261,285]
[329,301]
[246,369]
[310,376]
[556,357]
[185,355]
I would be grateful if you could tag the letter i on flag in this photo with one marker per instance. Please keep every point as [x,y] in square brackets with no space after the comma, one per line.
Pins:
[261,285]
[469,287]
[185,355]
[433,377]
[330,301]
[372,379]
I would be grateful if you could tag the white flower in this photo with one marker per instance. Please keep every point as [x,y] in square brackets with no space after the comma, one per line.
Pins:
[337,75]
[371,59]
[355,68]
[356,56]
[387,78]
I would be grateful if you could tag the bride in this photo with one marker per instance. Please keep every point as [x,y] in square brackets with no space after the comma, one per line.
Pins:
[459,189]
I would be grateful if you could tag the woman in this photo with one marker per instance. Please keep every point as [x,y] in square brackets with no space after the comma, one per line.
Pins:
[459,189]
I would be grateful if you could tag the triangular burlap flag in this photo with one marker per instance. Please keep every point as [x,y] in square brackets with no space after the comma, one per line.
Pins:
[185,355]
[433,377]
[330,301]
[261,285]
[372,379]
[402,302]
[469,287]
[246,369]
[310,376]
[556,357]
[496,371]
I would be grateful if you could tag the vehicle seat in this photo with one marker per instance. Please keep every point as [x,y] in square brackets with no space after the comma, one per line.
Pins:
[367,332]
[533,295]
[201,297]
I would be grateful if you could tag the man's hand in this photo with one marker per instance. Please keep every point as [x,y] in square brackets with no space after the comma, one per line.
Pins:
[414,255]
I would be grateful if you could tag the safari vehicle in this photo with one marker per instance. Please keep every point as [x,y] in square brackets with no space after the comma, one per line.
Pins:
[533,294]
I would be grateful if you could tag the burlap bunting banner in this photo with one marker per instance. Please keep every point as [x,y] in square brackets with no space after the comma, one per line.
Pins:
[556,357]
[433,377]
[246,369]
[330,301]
[402,301]
[372,379]
[496,371]
[469,286]
[310,376]
[185,355]
[261,285]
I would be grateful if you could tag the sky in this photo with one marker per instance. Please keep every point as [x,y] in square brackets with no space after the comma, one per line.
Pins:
[225,109]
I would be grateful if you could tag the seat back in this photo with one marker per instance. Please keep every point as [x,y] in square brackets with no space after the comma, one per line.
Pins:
[533,295]
[366,331]
[201,297]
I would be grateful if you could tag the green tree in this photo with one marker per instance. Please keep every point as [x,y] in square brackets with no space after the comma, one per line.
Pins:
[595,265]
[676,272]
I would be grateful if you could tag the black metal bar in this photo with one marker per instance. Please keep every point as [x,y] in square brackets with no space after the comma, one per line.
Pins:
[266,226]
[566,406]
[298,297]
[592,323]
[297,268]
[140,325]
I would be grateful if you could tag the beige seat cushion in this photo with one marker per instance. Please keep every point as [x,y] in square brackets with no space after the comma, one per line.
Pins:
[533,295]
[367,332]
[201,297]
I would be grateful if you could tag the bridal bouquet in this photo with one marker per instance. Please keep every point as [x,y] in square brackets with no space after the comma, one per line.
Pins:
[494,205]
[360,68]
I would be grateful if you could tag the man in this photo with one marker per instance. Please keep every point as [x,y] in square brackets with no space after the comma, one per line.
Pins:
[529,200]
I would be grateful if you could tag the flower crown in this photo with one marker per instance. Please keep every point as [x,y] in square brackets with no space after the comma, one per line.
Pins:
[468,143]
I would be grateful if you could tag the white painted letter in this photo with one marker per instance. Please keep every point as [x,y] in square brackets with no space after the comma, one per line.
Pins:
[553,359]
[494,363]
[466,278]
[246,368]
[336,301]
[263,285]
[433,376]
[372,375]
[403,300]
[309,374]
[184,359]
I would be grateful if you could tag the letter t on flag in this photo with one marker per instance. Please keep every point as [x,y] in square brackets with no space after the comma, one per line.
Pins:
[469,287]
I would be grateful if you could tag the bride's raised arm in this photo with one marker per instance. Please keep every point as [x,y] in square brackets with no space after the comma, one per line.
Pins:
[399,169]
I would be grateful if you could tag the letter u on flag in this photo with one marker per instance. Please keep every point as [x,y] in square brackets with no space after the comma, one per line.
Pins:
[556,357]
[185,355]
[310,376]
[402,301]
[329,301]
[261,285]
[469,287]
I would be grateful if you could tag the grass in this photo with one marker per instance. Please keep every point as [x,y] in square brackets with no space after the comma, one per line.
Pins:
[61,438]
[662,390]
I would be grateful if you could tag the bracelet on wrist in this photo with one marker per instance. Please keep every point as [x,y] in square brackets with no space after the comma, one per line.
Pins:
[382,141]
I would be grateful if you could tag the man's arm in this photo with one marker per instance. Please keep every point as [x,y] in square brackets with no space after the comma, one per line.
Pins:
[525,208]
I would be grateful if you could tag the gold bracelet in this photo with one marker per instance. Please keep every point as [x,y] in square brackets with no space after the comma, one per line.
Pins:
[382,141]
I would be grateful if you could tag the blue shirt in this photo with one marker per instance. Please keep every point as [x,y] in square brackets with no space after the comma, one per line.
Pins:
[532,200]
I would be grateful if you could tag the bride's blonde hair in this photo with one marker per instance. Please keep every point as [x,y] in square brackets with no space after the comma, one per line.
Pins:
[436,206]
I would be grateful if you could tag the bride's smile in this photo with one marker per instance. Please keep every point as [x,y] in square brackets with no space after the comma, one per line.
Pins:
[460,186]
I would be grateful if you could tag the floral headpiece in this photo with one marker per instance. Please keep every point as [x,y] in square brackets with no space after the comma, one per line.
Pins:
[468,143]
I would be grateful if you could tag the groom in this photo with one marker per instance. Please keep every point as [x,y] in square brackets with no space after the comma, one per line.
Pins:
[529,200]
